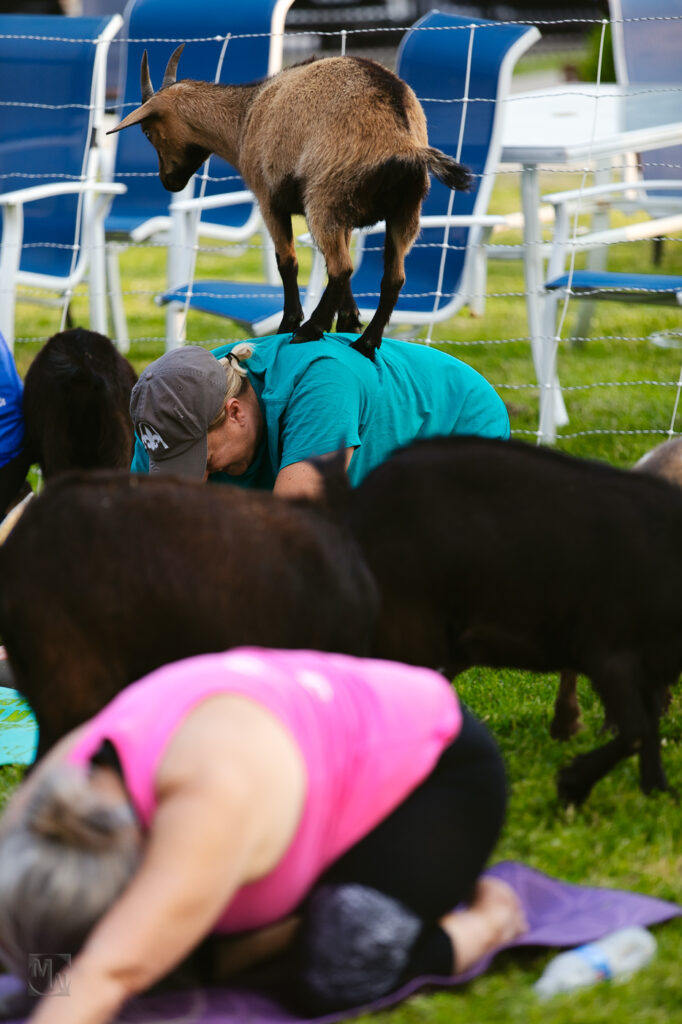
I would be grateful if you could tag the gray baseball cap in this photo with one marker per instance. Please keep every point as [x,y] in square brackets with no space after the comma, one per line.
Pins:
[172,405]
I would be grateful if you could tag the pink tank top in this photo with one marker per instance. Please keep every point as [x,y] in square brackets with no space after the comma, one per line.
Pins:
[369,732]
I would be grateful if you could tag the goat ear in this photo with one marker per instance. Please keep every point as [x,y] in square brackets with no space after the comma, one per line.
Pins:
[145,80]
[146,110]
[172,68]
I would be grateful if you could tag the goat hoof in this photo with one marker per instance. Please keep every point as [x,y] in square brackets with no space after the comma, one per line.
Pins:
[365,348]
[571,788]
[563,730]
[289,324]
[307,332]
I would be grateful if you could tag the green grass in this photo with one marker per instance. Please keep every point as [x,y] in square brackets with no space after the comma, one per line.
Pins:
[620,838]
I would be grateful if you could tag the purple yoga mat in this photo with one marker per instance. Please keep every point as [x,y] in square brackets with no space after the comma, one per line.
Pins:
[558,914]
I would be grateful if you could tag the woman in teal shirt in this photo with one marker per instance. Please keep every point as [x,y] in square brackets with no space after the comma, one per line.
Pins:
[253,413]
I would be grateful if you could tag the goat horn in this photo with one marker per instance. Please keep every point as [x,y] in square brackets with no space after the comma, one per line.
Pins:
[145,80]
[172,69]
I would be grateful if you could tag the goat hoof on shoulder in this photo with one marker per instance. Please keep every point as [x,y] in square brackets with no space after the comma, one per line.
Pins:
[307,332]
[289,324]
[365,347]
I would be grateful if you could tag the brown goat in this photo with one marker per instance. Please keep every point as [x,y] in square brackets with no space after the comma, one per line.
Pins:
[108,575]
[341,140]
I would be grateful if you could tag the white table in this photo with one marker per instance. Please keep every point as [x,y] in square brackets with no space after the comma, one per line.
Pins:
[569,125]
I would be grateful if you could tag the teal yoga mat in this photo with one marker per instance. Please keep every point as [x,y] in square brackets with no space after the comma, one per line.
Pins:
[18,729]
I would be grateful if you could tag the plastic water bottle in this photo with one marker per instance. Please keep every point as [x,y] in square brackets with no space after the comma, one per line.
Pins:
[617,955]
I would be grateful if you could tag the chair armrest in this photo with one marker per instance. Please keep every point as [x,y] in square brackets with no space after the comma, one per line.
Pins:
[627,233]
[212,202]
[463,220]
[20,196]
[153,226]
[484,220]
[444,220]
[571,195]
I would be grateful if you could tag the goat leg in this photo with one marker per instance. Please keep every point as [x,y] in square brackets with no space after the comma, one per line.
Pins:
[400,233]
[349,315]
[278,223]
[575,781]
[292,314]
[339,270]
[566,721]
[651,772]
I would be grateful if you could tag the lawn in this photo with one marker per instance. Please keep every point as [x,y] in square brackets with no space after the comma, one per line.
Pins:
[619,838]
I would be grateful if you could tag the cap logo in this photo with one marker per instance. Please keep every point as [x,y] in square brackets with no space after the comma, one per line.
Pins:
[151,438]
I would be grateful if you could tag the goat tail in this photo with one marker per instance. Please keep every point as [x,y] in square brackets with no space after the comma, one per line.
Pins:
[447,170]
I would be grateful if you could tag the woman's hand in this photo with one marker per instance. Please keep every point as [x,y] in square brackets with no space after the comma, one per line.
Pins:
[230,793]
[86,996]
[191,869]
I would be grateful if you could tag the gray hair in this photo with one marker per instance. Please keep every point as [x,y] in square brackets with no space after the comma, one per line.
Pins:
[63,863]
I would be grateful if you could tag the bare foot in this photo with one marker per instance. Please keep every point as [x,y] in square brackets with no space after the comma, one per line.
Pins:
[494,918]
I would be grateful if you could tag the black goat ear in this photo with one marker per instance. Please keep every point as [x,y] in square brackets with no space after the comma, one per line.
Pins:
[146,110]
[335,483]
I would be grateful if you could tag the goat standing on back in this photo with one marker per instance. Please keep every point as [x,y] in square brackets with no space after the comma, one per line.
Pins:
[341,140]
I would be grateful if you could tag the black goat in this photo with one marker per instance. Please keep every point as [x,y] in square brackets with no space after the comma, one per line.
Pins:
[663,461]
[109,575]
[77,404]
[502,554]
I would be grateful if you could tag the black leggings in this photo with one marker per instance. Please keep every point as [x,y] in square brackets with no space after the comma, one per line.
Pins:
[370,923]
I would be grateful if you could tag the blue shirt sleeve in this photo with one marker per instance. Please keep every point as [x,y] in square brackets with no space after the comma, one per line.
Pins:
[323,413]
[11,406]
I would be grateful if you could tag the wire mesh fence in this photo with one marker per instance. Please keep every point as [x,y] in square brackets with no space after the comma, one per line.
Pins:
[618,363]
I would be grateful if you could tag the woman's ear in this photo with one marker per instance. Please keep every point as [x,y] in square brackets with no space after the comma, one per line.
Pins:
[235,411]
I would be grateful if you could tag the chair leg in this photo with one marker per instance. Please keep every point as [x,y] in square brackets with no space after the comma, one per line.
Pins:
[176,325]
[479,275]
[97,284]
[583,321]
[115,296]
[315,284]
[269,259]
[10,255]
[180,265]
[552,407]
[597,259]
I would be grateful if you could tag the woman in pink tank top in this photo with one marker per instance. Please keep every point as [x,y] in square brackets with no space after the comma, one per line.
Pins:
[326,809]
